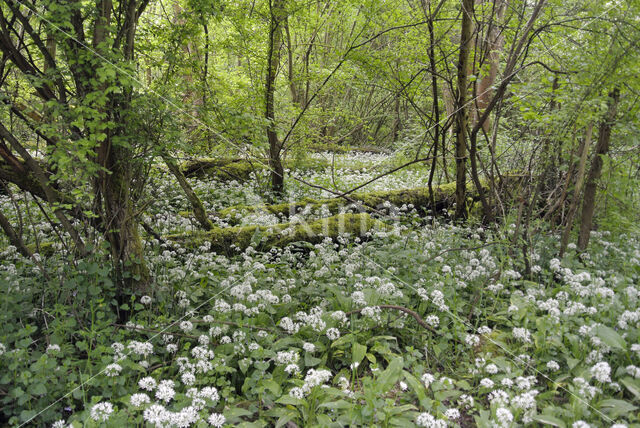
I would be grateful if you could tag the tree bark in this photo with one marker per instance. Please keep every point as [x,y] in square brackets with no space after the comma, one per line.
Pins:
[461,110]
[277,13]
[492,45]
[198,209]
[602,148]
[584,152]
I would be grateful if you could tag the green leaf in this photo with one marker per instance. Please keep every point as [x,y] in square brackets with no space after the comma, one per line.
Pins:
[616,408]
[610,337]
[340,404]
[391,374]
[632,385]
[549,420]
[358,352]
[37,389]
[287,417]
[237,412]
[287,399]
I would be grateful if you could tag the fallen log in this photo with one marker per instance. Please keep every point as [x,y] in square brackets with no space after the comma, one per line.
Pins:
[240,169]
[233,239]
[417,197]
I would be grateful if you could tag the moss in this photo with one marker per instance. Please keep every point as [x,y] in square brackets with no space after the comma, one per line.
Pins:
[223,240]
[47,249]
[225,169]
[418,197]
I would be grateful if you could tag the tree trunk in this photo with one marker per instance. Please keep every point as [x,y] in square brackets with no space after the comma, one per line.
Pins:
[461,114]
[492,44]
[276,9]
[114,186]
[584,152]
[198,209]
[14,238]
[602,147]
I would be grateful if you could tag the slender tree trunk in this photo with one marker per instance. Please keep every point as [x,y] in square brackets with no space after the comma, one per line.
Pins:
[462,111]
[602,148]
[14,238]
[436,103]
[492,44]
[198,208]
[584,152]
[276,9]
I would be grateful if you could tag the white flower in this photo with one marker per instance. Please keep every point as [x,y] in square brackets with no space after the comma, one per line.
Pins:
[315,378]
[491,369]
[471,340]
[51,348]
[292,368]
[61,424]
[141,348]
[484,330]
[156,414]
[113,370]
[101,411]
[165,391]
[504,416]
[145,300]
[186,326]
[466,400]
[287,357]
[210,393]
[432,320]
[427,379]
[139,399]
[602,372]
[452,414]
[580,424]
[486,382]
[148,383]
[172,348]
[188,378]
[522,334]
[553,366]
[427,420]
[297,393]
[309,347]
[403,386]
[217,420]
[333,333]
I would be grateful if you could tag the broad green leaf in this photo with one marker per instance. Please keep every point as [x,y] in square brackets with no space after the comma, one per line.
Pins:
[391,374]
[287,399]
[549,420]
[610,337]
[358,352]
[633,385]
[616,408]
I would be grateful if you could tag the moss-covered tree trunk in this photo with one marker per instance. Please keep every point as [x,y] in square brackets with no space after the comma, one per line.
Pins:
[277,14]
[461,109]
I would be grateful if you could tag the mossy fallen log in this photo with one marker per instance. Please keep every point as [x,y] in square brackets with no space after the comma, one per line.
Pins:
[233,239]
[384,200]
[239,169]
